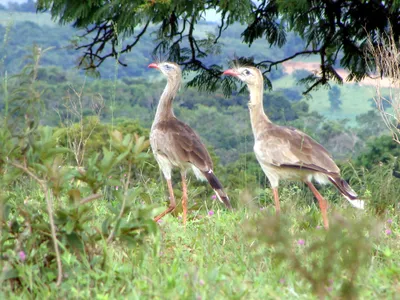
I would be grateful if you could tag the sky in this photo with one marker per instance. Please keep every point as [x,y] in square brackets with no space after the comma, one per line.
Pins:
[5,2]
[211,16]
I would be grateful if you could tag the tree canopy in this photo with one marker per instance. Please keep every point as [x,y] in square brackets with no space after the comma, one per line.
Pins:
[336,31]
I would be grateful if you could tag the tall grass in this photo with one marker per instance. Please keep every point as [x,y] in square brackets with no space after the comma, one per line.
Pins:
[247,254]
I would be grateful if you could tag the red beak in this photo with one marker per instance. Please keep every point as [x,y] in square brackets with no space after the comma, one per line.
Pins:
[153,65]
[231,72]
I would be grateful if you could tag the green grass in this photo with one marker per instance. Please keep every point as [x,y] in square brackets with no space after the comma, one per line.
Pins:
[354,98]
[219,257]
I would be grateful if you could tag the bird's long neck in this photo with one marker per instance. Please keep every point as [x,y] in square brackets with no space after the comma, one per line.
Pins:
[257,115]
[164,108]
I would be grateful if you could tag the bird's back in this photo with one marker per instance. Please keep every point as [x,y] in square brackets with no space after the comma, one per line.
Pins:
[290,151]
[178,142]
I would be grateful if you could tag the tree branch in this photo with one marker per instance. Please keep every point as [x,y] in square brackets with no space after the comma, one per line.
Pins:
[273,63]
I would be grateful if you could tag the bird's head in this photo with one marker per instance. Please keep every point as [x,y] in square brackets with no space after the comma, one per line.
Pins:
[169,69]
[249,75]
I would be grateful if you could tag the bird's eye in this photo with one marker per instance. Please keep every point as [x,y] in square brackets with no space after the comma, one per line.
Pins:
[168,67]
[246,72]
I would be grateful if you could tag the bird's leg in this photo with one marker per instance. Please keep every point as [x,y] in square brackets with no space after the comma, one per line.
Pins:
[276,200]
[184,196]
[172,203]
[323,204]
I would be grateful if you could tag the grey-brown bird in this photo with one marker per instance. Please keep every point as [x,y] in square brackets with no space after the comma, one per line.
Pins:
[285,153]
[176,145]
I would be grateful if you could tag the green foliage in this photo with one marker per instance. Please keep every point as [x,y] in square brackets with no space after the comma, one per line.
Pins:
[318,257]
[376,184]
[186,262]
[380,150]
[52,219]
[370,125]
[383,188]
[245,173]
[279,108]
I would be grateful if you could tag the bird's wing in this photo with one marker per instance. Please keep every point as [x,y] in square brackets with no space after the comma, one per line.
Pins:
[185,144]
[288,147]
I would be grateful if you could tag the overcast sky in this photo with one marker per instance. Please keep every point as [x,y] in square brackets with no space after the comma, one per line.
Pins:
[5,2]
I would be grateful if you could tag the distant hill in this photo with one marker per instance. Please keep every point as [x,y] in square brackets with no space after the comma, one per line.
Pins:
[20,30]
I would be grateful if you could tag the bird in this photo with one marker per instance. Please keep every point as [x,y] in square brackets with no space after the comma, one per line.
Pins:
[176,145]
[286,153]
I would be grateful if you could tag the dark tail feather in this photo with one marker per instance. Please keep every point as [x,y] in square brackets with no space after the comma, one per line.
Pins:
[217,187]
[347,191]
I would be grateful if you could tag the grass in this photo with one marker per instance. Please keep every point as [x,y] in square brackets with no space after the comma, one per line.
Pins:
[354,99]
[217,256]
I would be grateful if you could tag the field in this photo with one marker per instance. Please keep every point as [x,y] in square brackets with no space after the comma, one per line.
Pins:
[246,254]
[78,196]
[354,98]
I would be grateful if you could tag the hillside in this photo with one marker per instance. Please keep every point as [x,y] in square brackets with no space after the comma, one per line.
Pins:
[46,33]
[125,91]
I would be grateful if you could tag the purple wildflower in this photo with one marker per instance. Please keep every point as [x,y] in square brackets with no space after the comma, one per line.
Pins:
[390,221]
[116,188]
[210,213]
[318,227]
[282,281]
[201,282]
[22,255]
[159,221]
[262,208]
[301,242]
[214,197]
[388,231]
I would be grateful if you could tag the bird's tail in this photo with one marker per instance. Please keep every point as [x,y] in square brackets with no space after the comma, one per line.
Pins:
[217,187]
[347,191]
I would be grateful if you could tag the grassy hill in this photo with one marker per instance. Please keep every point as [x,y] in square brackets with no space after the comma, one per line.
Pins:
[354,98]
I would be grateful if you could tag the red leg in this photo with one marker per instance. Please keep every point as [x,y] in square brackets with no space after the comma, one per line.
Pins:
[323,204]
[276,200]
[172,203]
[184,197]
